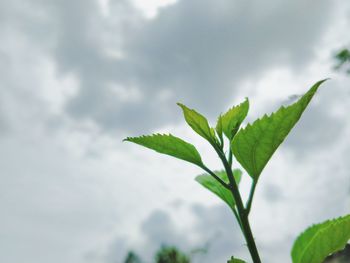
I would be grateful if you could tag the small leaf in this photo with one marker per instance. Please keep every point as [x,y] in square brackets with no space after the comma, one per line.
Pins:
[235,260]
[321,240]
[198,123]
[218,129]
[233,118]
[215,187]
[254,145]
[170,145]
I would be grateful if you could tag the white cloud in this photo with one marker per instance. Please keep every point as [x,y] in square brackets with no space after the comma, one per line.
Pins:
[150,8]
[202,65]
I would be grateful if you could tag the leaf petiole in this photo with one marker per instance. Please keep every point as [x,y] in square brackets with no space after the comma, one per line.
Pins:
[251,196]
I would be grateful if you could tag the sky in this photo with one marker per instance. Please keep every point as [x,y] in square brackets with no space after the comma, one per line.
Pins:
[79,76]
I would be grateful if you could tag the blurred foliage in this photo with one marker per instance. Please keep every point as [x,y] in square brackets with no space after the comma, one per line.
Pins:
[132,258]
[171,255]
[342,58]
[166,254]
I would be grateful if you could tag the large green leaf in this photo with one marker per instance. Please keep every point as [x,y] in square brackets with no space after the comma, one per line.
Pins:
[233,118]
[321,240]
[235,260]
[170,145]
[254,145]
[198,123]
[215,187]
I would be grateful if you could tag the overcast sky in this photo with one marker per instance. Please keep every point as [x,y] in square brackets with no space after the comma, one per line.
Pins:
[79,76]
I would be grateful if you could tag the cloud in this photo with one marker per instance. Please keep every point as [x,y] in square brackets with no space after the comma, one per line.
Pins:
[159,229]
[4,126]
[197,52]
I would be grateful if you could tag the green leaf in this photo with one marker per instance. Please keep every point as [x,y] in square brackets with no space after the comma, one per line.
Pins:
[233,118]
[215,187]
[321,240]
[170,145]
[235,260]
[218,129]
[254,145]
[198,123]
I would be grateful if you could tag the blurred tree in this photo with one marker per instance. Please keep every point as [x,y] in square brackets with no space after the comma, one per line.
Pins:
[132,258]
[343,60]
[168,254]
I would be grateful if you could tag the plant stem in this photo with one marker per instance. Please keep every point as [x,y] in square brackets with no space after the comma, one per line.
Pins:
[251,195]
[250,238]
[241,210]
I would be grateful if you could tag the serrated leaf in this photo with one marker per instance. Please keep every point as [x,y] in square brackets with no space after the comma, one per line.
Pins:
[215,187]
[233,118]
[170,145]
[254,145]
[321,240]
[235,260]
[198,123]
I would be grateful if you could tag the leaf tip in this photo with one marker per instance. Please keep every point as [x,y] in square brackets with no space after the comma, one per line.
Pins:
[180,104]
[318,83]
